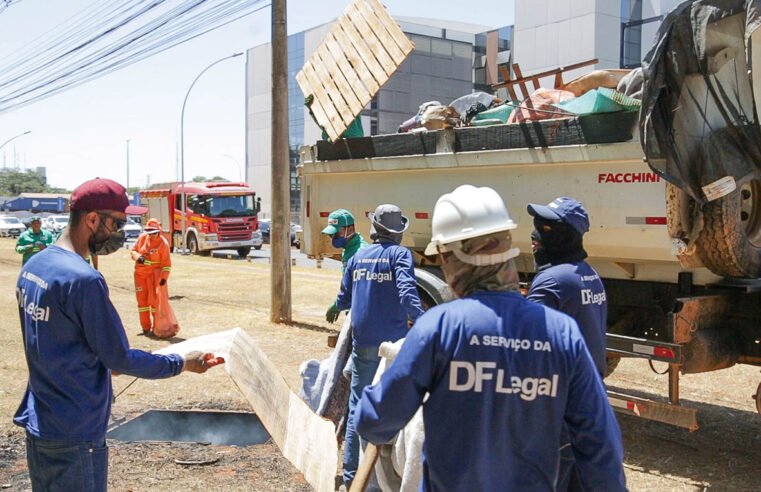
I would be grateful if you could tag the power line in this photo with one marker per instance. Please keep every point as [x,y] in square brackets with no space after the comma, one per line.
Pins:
[126,33]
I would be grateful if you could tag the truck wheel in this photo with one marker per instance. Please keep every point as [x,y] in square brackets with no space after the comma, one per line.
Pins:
[244,251]
[193,244]
[730,242]
[612,362]
[258,247]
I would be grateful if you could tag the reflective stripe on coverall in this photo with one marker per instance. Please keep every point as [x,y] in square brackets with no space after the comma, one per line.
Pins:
[158,264]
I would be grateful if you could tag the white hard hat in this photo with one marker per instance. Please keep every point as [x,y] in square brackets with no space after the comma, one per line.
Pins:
[465,213]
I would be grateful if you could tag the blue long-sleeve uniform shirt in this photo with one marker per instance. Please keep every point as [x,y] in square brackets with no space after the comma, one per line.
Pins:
[73,337]
[379,287]
[576,290]
[503,375]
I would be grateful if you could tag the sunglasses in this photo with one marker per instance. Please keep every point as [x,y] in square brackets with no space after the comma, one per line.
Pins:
[118,223]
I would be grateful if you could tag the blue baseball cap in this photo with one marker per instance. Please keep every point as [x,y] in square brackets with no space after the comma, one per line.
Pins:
[564,209]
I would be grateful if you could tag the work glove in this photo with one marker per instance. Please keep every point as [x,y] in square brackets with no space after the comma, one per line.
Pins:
[141,260]
[196,362]
[162,282]
[332,315]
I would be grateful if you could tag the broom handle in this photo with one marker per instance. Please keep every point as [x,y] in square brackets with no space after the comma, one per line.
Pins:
[365,469]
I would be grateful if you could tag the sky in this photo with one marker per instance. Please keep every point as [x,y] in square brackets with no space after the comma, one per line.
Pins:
[83,132]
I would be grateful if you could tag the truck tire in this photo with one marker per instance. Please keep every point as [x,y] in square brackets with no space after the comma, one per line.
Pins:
[730,242]
[432,288]
[193,244]
[244,251]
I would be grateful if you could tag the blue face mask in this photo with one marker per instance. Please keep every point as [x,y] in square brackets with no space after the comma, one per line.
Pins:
[339,242]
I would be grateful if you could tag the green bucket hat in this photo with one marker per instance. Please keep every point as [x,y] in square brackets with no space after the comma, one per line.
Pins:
[337,219]
[35,218]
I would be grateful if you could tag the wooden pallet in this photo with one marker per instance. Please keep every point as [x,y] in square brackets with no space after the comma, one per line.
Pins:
[521,81]
[358,56]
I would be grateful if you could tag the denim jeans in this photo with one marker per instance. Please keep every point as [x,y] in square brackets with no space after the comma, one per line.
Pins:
[67,466]
[365,361]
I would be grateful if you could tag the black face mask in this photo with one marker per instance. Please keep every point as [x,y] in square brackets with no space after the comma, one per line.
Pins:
[104,243]
[557,243]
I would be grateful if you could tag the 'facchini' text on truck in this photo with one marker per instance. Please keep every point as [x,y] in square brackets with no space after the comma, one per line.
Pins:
[218,215]
[676,235]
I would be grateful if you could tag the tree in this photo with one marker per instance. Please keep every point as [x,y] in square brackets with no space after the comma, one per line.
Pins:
[14,182]
[201,179]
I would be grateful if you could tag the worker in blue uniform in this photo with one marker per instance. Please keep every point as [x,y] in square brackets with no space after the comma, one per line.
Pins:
[564,281]
[379,287]
[73,339]
[503,375]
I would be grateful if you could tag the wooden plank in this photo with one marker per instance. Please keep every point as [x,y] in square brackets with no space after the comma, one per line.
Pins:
[382,32]
[396,32]
[340,103]
[341,59]
[371,39]
[521,81]
[321,96]
[339,79]
[507,83]
[364,51]
[305,439]
[357,61]
[317,109]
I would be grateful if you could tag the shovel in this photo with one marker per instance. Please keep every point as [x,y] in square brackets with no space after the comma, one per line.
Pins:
[365,469]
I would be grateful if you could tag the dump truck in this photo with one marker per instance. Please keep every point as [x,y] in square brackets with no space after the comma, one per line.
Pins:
[673,192]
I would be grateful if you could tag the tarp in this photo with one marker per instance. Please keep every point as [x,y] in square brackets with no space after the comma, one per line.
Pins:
[698,123]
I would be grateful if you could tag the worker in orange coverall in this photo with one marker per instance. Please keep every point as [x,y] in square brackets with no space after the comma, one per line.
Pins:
[152,268]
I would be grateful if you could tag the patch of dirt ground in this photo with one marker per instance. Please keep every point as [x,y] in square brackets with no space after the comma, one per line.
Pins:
[213,294]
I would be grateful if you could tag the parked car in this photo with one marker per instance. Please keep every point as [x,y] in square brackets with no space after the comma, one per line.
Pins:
[55,223]
[10,226]
[132,229]
[264,228]
[258,240]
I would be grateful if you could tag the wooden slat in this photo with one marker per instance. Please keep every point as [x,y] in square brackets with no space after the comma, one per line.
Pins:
[322,97]
[522,83]
[317,109]
[364,51]
[357,61]
[371,39]
[339,78]
[402,41]
[340,103]
[361,52]
[505,81]
[341,59]
[382,32]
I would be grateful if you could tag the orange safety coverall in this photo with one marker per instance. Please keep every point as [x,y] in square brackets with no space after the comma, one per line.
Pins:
[158,264]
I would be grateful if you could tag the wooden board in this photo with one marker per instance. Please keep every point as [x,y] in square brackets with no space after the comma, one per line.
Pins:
[362,51]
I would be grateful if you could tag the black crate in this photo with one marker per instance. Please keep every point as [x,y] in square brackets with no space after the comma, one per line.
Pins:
[609,127]
[415,143]
[345,148]
[543,133]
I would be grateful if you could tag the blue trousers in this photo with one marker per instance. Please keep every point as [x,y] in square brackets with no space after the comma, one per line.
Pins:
[365,361]
[65,466]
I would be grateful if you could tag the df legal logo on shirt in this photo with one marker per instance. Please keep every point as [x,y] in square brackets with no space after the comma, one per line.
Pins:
[589,297]
[35,312]
[366,275]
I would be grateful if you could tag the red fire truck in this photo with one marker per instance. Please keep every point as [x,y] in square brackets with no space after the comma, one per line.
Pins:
[219,215]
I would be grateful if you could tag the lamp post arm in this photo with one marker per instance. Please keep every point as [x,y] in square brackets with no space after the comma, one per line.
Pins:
[14,138]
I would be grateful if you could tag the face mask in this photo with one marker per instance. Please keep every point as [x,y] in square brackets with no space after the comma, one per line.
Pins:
[339,242]
[105,244]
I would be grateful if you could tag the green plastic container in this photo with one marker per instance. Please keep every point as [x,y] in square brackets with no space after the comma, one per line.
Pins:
[501,112]
[600,100]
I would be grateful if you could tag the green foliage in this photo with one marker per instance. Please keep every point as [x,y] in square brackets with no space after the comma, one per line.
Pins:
[14,182]
[201,179]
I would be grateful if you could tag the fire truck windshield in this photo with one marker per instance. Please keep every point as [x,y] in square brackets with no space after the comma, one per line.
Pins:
[222,205]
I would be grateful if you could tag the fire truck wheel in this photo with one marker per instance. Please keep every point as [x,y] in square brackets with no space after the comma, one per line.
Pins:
[730,242]
[193,244]
[243,252]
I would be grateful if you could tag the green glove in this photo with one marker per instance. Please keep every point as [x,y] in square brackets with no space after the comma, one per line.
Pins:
[332,315]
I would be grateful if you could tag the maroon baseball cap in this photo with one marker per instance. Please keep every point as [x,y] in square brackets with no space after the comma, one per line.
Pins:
[103,194]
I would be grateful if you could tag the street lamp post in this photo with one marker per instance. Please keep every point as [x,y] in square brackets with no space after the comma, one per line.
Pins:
[240,170]
[182,148]
[14,138]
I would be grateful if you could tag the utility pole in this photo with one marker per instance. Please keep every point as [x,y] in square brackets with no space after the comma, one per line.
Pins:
[280,232]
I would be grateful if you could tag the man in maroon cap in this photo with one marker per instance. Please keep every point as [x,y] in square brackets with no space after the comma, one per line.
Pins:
[73,339]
